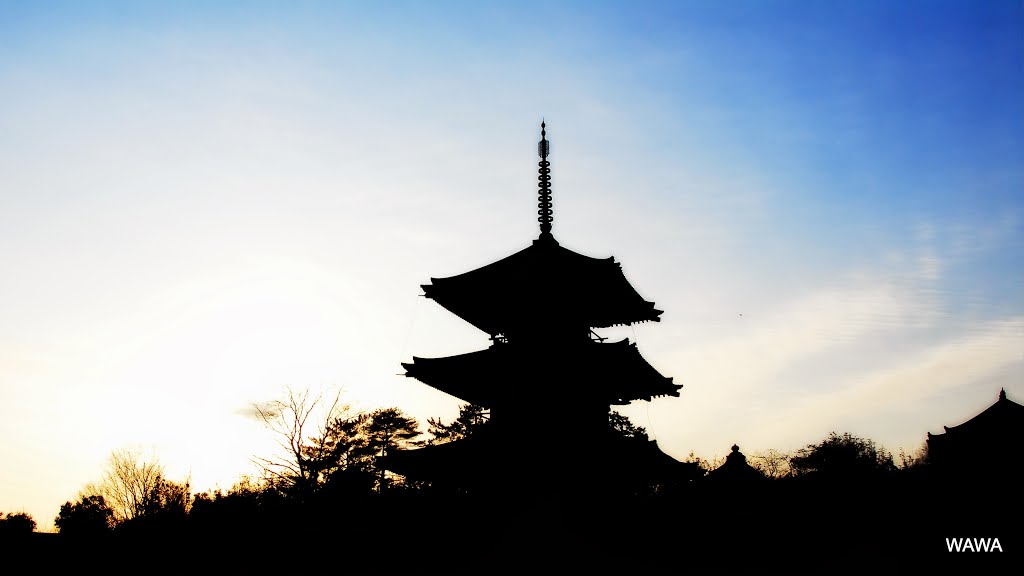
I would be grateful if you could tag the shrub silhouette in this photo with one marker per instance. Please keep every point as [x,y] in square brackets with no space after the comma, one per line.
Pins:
[842,457]
[89,517]
[15,524]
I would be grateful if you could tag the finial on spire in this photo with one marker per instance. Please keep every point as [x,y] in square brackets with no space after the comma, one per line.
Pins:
[542,146]
[544,194]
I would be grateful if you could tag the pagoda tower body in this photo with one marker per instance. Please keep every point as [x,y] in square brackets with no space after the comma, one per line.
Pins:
[546,375]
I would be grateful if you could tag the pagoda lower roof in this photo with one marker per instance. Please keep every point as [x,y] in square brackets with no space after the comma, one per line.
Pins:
[478,457]
[468,460]
[539,283]
[615,372]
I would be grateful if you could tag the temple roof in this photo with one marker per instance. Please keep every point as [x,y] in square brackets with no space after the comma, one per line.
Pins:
[1005,416]
[540,284]
[615,370]
[982,449]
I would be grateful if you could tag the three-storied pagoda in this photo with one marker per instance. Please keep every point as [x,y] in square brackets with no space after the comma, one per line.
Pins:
[546,369]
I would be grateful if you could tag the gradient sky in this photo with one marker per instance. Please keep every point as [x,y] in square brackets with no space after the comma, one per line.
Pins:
[203,203]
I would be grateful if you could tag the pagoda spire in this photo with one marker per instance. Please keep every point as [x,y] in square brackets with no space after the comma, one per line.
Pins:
[544,194]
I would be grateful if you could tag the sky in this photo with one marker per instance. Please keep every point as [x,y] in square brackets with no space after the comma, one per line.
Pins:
[203,204]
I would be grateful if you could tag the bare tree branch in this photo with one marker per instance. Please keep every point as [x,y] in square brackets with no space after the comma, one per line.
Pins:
[129,483]
[301,423]
[771,463]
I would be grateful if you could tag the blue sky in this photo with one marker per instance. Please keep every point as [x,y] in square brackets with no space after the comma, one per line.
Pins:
[200,205]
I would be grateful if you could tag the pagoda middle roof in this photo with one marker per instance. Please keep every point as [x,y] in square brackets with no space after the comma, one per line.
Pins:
[543,282]
[615,371]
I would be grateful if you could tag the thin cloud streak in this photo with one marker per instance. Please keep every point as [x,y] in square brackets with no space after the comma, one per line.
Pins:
[978,362]
[830,356]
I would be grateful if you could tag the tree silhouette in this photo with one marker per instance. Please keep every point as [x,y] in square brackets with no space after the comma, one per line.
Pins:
[128,483]
[913,461]
[16,523]
[169,499]
[89,517]
[772,463]
[840,457]
[133,488]
[249,508]
[621,427]
[303,426]
[388,430]
[348,463]
[472,418]
[324,446]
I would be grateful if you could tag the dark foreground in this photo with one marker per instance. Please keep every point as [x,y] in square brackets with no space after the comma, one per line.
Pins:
[793,528]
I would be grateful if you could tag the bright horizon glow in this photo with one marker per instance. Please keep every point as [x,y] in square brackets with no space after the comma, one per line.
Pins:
[201,205]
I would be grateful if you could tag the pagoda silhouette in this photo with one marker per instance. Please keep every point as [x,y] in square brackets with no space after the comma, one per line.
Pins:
[547,379]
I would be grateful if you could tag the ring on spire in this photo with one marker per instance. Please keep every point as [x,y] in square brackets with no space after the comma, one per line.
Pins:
[545,213]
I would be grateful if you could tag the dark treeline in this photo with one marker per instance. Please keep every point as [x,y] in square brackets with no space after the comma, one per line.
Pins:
[329,490]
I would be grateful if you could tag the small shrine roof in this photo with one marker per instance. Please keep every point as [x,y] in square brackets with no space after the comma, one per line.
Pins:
[735,469]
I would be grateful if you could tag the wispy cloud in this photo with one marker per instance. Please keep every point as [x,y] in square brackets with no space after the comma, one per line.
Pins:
[898,388]
[864,350]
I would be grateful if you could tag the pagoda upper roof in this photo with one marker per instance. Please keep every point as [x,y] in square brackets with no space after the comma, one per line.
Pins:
[543,283]
[614,371]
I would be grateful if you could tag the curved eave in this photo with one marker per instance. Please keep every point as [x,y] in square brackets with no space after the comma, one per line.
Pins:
[1002,417]
[538,281]
[616,370]
[494,315]
[433,373]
